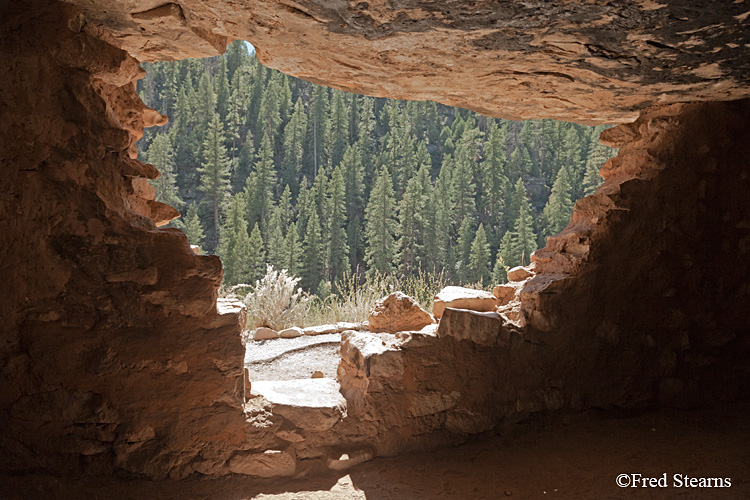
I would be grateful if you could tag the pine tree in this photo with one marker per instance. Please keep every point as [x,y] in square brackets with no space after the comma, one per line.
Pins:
[236,56]
[274,239]
[235,248]
[411,223]
[205,109]
[270,104]
[222,90]
[338,129]
[494,182]
[353,174]
[463,174]
[524,242]
[380,226]
[256,260]
[598,156]
[479,260]
[314,253]
[557,211]
[159,154]
[192,226]
[292,260]
[508,253]
[316,126]
[439,241]
[261,194]
[337,250]
[465,238]
[293,149]
[214,175]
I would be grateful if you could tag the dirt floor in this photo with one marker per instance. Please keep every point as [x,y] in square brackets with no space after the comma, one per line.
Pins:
[289,359]
[572,457]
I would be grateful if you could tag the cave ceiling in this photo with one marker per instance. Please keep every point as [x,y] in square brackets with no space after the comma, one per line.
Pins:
[585,61]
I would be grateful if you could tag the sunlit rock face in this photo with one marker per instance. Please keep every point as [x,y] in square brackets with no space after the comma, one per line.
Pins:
[590,62]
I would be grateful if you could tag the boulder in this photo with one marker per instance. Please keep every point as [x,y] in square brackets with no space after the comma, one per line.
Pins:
[459,297]
[264,333]
[397,313]
[518,273]
[484,328]
[291,333]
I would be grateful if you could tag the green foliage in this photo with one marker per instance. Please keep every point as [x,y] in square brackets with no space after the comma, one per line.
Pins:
[479,259]
[381,226]
[214,180]
[338,183]
[235,249]
[192,226]
[160,155]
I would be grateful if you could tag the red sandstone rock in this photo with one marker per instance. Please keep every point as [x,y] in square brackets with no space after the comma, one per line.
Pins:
[463,298]
[480,327]
[398,312]
[264,333]
[569,60]
[519,273]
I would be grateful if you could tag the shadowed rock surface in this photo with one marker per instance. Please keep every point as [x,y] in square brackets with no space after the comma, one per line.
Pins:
[569,60]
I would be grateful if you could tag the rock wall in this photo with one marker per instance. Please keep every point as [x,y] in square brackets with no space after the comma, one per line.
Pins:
[641,301]
[591,62]
[112,352]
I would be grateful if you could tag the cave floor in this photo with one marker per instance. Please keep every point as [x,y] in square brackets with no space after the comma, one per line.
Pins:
[572,457]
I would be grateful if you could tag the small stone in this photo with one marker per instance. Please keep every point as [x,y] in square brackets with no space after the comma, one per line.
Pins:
[291,333]
[264,333]
[317,374]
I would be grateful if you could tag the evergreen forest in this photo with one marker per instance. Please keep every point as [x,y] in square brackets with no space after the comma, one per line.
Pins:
[269,169]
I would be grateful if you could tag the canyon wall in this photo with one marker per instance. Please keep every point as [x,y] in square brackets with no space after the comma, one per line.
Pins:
[115,355]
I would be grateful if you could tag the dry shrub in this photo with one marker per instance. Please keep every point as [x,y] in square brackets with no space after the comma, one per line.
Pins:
[276,302]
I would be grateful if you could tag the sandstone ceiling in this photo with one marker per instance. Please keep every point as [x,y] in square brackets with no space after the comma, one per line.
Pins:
[578,60]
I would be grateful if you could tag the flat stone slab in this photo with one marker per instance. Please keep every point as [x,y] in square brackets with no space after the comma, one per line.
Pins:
[458,297]
[312,404]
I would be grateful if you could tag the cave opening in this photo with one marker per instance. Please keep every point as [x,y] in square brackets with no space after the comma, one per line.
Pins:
[119,358]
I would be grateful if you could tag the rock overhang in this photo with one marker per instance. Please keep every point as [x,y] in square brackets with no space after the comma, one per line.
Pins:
[577,61]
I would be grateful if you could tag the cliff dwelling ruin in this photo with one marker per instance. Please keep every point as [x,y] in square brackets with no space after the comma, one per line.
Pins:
[118,362]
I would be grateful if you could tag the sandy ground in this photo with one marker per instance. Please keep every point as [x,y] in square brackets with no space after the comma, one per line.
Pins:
[288,359]
[570,457]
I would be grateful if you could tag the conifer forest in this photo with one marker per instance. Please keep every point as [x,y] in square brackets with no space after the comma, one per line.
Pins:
[269,169]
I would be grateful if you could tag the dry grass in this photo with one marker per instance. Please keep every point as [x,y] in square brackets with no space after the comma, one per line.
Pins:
[275,301]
